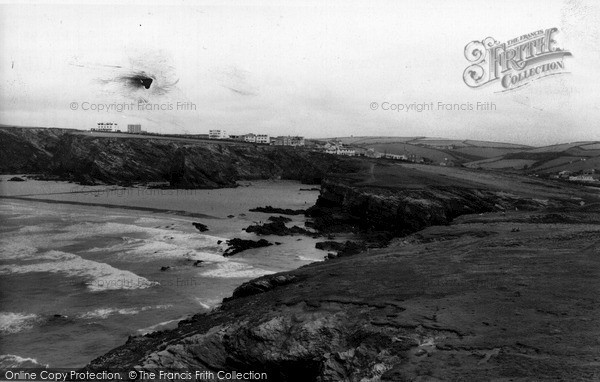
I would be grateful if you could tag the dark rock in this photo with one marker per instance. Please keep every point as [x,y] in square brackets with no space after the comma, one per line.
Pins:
[230,216]
[16,179]
[237,245]
[198,263]
[165,268]
[275,210]
[282,219]
[261,285]
[329,245]
[277,228]
[200,227]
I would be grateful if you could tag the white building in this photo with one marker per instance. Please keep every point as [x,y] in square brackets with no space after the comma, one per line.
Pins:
[582,178]
[106,127]
[345,151]
[263,138]
[396,156]
[217,134]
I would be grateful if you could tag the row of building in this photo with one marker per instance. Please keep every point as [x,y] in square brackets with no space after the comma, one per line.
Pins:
[587,175]
[112,127]
[258,138]
[337,148]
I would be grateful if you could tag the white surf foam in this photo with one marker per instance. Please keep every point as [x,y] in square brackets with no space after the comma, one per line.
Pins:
[11,360]
[16,247]
[99,276]
[102,313]
[161,244]
[304,258]
[208,304]
[11,323]
[232,269]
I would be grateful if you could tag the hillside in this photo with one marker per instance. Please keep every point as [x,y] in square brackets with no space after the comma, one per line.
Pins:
[572,157]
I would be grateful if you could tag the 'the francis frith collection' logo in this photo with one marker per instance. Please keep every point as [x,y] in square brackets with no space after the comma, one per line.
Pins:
[514,63]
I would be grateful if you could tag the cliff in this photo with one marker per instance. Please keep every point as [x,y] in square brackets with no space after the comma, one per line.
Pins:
[507,291]
[87,158]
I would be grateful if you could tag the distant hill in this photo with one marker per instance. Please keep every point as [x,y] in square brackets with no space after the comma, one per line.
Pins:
[572,157]
[435,149]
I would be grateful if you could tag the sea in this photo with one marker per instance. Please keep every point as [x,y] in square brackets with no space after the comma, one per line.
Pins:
[84,267]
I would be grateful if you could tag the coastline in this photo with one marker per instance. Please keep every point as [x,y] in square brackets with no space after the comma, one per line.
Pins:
[439,298]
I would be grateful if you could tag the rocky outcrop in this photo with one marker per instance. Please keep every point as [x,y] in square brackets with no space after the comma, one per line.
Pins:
[282,219]
[278,228]
[277,210]
[237,245]
[343,207]
[200,227]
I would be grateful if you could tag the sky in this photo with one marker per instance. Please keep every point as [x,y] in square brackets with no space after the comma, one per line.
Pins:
[316,69]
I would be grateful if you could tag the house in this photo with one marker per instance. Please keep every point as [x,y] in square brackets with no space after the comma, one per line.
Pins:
[217,134]
[371,153]
[250,138]
[564,174]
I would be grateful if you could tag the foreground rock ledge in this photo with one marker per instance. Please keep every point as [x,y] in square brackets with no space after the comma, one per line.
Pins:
[475,300]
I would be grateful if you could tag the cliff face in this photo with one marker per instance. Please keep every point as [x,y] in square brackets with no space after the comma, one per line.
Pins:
[345,205]
[123,160]
[498,295]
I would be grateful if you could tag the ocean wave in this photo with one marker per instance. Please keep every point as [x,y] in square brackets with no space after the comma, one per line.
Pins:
[99,276]
[138,243]
[102,313]
[11,323]
[304,258]
[11,360]
[166,246]
[16,247]
[208,304]
[232,269]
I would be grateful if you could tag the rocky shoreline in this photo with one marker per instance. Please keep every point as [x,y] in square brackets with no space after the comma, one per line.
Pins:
[437,304]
